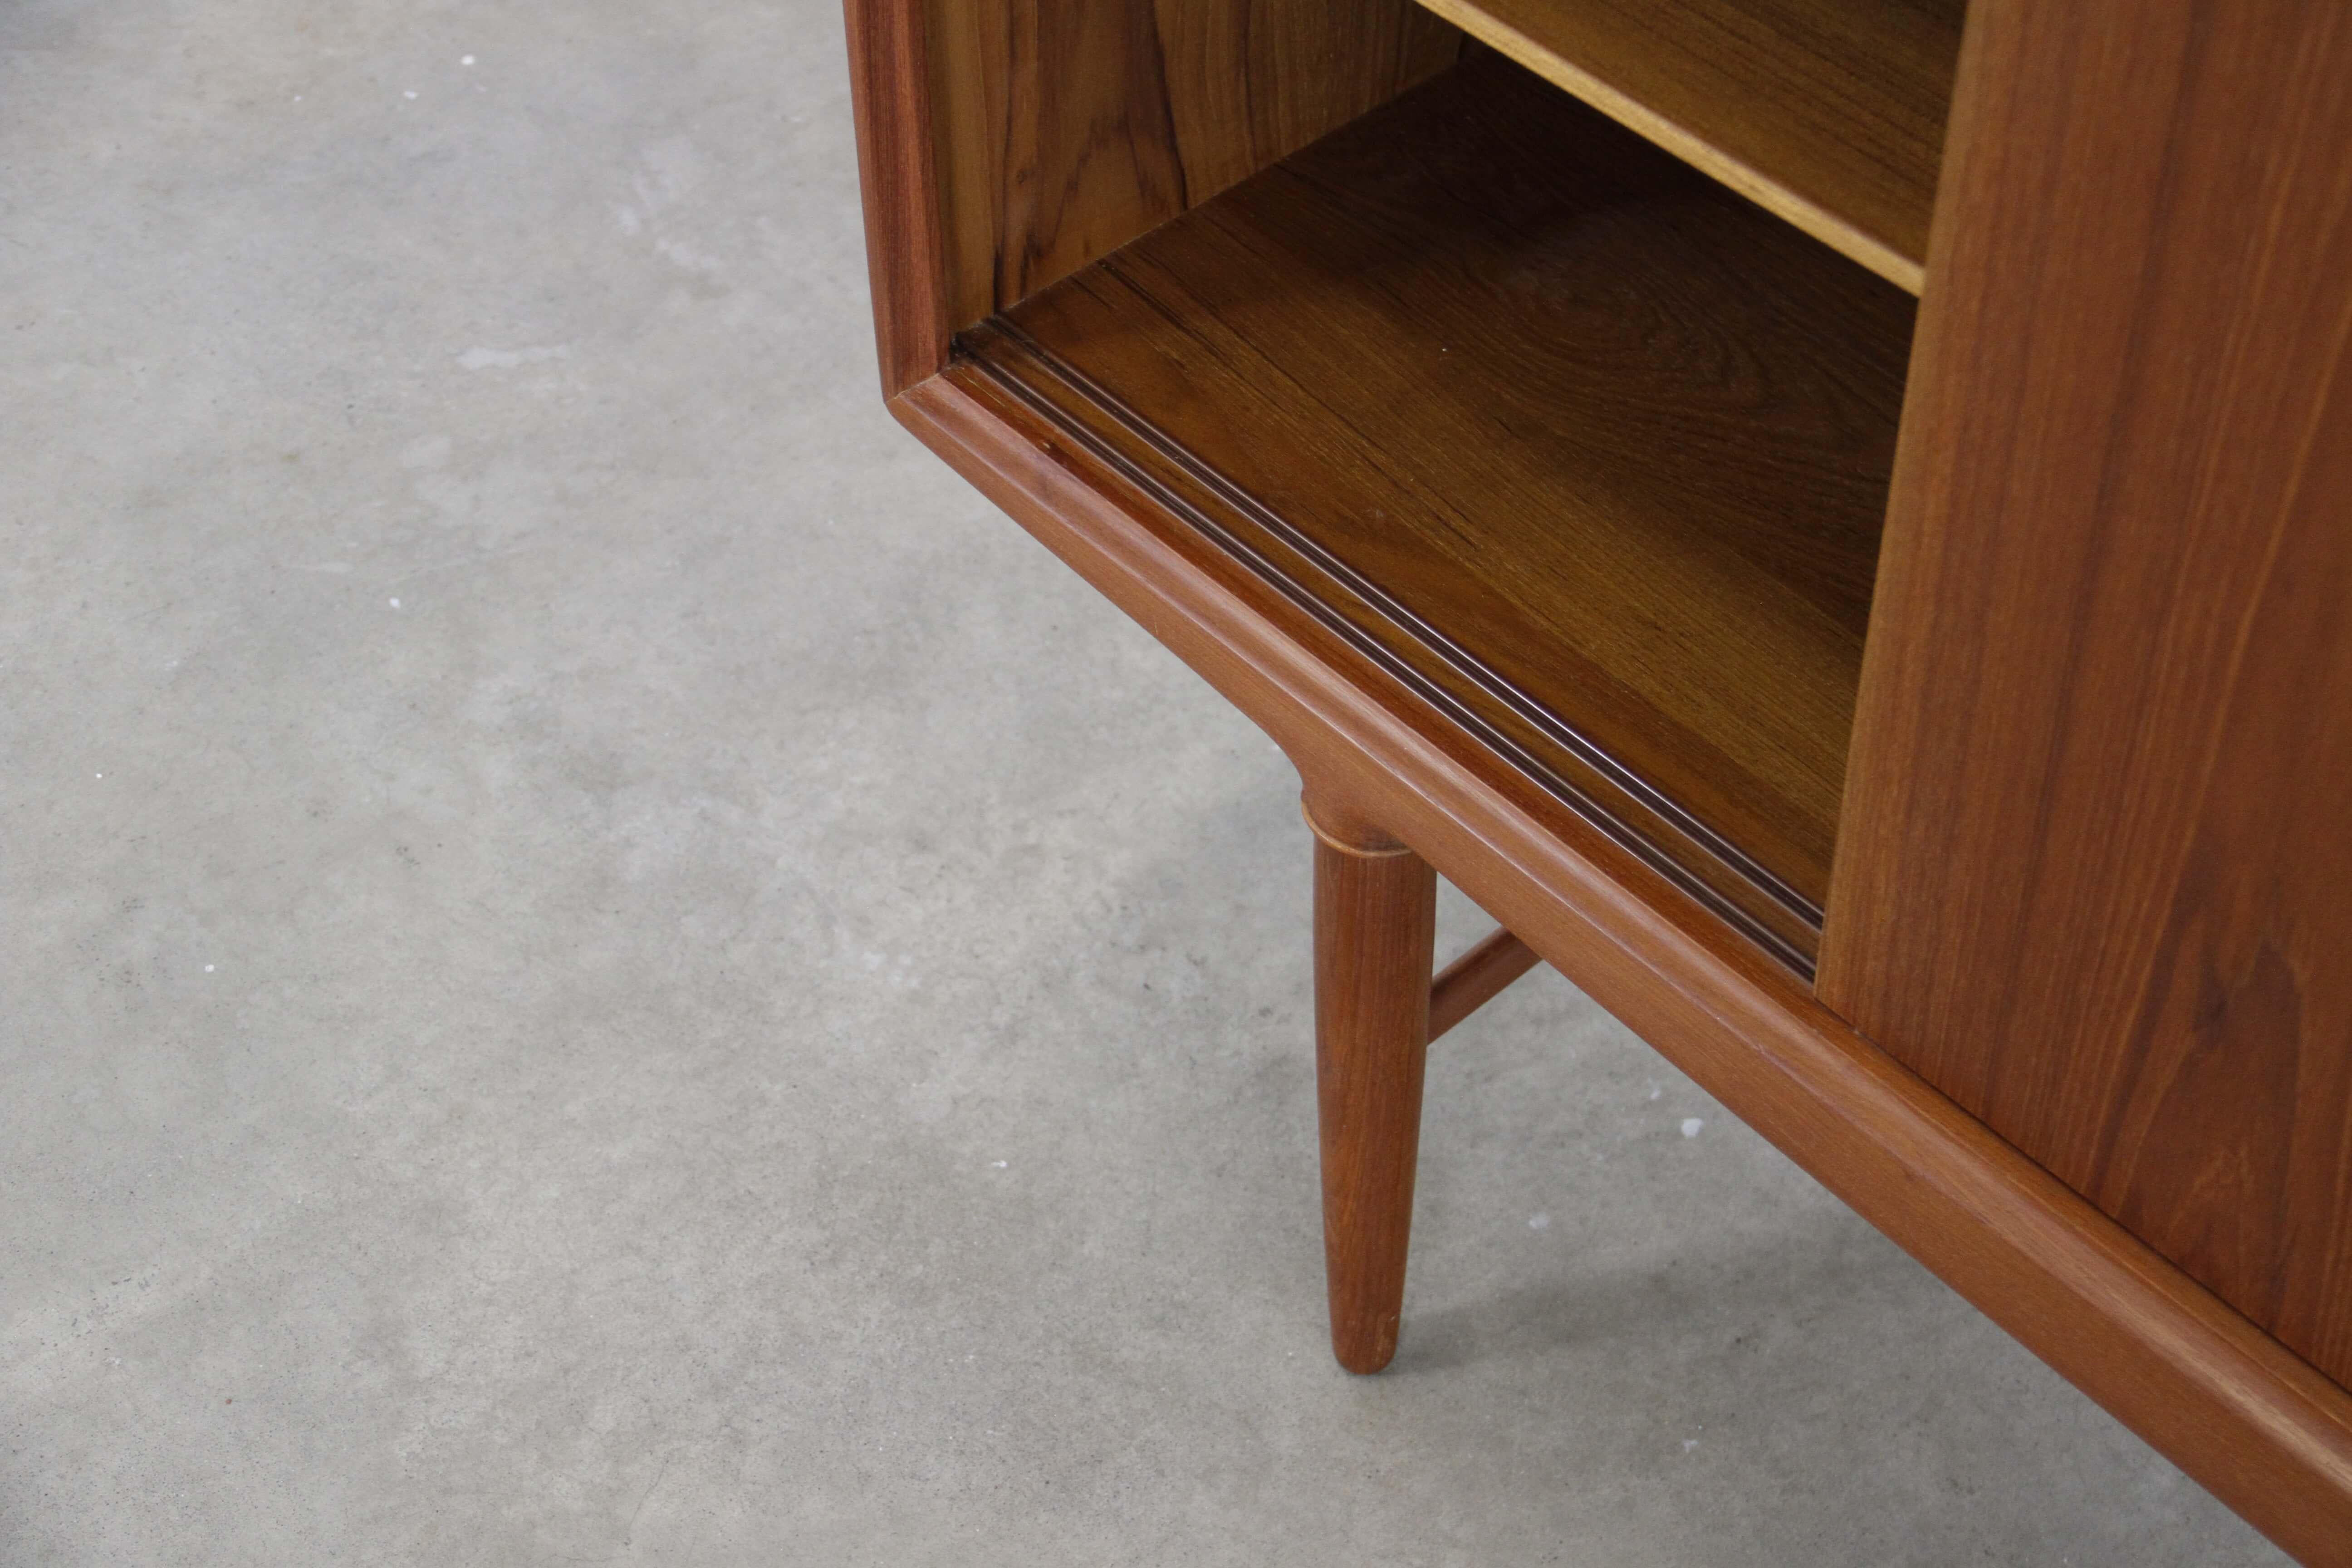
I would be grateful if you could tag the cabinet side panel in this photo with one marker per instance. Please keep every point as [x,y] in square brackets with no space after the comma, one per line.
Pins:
[1067,128]
[2094,876]
[888,76]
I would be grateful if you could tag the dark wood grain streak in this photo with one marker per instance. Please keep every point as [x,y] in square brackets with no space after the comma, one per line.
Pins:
[888,82]
[1476,978]
[1600,447]
[1066,128]
[1829,113]
[2096,876]
[2249,1421]
[2230,1144]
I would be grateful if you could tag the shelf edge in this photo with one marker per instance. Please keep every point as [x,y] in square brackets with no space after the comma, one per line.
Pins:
[1840,234]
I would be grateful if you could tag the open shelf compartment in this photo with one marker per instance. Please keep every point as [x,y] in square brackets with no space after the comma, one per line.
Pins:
[1586,451]
[1829,113]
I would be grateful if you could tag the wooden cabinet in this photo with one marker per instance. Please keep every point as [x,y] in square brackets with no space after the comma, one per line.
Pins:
[1833,519]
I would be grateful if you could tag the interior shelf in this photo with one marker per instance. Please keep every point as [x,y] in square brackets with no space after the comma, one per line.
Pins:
[1485,361]
[1828,112]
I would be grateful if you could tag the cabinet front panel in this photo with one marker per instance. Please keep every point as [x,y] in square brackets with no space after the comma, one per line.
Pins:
[2093,876]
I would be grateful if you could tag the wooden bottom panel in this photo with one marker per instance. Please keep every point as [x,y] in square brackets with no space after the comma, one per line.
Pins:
[1589,449]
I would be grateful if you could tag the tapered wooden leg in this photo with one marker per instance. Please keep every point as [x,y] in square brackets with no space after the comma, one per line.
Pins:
[1375,914]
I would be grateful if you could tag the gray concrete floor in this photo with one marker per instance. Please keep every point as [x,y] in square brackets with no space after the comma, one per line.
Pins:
[603,965]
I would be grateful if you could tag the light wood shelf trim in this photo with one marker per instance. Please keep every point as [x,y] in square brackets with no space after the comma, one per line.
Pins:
[1900,259]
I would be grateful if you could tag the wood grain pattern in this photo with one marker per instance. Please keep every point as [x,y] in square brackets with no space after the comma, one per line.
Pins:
[2249,1421]
[2095,881]
[1828,112]
[1597,448]
[1066,128]
[888,73]
[1375,919]
[2156,199]
[1476,978]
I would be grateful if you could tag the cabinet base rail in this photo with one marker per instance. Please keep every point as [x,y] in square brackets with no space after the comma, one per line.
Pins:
[2251,1421]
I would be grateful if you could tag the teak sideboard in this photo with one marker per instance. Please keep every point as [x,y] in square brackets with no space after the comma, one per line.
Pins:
[1832,518]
